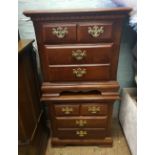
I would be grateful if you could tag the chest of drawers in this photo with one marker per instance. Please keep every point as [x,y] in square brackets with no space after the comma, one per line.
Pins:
[79,50]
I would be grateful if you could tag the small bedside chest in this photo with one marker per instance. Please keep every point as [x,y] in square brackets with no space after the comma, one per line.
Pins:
[79,50]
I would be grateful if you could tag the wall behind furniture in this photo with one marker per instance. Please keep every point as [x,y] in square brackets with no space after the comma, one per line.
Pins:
[125,75]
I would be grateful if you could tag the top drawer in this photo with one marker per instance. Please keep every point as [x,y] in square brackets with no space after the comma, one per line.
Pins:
[77,32]
[59,33]
[94,32]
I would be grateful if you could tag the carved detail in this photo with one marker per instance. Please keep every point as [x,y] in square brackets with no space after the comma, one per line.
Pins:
[91,17]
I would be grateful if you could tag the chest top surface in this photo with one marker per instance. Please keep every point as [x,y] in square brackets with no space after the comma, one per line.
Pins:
[75,6]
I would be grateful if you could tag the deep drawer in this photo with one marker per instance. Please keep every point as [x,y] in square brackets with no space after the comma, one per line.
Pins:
[66,110]
[79,73]
[94,32]
[80,122]
[79,54]
[94,109]
[59,33]
[81,133]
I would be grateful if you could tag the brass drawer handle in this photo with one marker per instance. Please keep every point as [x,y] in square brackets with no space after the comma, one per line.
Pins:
[95,31]
[67,110]
[81,133]
[81,123]
[79,54]
[79,72]
[94,109]
[60,32]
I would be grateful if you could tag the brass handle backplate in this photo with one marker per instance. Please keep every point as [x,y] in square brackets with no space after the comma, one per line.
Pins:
[67,110]
[81,123]
[95,31]
[79,54]
[79,72]
[94,109]
[81,133]
[60,32]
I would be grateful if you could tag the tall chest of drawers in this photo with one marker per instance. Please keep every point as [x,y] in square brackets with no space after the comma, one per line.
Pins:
[79,50]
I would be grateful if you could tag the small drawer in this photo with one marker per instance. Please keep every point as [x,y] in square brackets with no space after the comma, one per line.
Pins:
[79,73]
[79,54]
[66,110]
[94,109]
[97,32]
[81,133]
[59,33]
[81,122]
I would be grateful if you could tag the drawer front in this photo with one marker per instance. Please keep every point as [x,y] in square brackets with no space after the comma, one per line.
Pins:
[94,109]
[59,33]
[80,122]
[79,73]
[79,54]
[81,133]
[96,32]
[66,110]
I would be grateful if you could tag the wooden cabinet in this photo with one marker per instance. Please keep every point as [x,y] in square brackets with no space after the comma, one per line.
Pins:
[79,50]
[31,127]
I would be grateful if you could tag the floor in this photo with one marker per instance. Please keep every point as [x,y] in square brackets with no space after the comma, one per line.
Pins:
[120,146]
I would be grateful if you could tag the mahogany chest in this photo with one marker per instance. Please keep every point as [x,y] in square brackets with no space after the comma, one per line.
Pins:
[79,50]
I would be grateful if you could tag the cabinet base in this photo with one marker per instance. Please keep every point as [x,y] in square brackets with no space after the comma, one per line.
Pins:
[109,88]
[73,142]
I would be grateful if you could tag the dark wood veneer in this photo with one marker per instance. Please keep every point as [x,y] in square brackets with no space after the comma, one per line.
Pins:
[49,37]
[89,97]
[91,122]
[98,54]
[85,37]
[99,72]
[32,133]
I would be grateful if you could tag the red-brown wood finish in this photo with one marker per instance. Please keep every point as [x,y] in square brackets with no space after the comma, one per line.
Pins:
[98,54]
[87,109]
[49,37]
[84,37]
[99,72]
[79,52]
[83,121]
[31,126]
[70,133]
[58,109]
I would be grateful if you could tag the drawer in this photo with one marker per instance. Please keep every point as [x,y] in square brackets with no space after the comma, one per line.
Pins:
[97,32]
[79,54]
[81,133]
[79,73]
[94,109]
[66,110]
[59,33]
[80,122]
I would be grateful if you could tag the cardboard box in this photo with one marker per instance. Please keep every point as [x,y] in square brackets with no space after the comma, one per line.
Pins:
[128,117]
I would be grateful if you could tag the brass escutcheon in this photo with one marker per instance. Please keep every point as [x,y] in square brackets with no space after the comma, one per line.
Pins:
[60,32]
[81,123]
[93,109]
[79,72]
[67,110]
[79,54]
[95,31]
[81,133]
